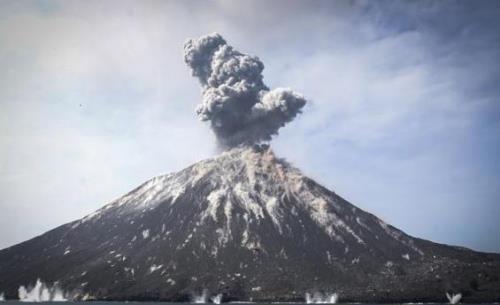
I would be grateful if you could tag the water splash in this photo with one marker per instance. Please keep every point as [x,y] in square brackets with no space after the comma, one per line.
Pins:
[217,299]
[41,293]
[454,298]
[2,297]
[201,298]
[320,298]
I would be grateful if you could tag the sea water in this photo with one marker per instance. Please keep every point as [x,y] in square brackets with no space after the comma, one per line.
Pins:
[239,303]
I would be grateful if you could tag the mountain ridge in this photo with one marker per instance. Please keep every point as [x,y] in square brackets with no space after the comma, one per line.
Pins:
[248,226]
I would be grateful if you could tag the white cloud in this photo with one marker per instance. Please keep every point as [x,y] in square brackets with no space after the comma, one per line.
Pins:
[399,109]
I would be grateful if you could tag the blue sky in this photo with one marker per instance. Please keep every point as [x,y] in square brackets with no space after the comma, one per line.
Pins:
[403,119]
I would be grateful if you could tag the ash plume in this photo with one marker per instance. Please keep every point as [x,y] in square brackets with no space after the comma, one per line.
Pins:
[241,109]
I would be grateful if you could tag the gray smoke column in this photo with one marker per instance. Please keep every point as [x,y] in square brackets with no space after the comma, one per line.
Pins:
[236,102]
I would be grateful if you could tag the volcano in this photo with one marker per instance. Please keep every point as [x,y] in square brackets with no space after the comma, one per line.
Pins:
[244,225]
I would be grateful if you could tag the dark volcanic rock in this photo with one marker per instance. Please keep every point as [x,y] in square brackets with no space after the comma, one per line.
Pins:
[249,226]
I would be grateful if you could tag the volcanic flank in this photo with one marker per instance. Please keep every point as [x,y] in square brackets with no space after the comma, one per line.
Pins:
[248,225]
[244,225]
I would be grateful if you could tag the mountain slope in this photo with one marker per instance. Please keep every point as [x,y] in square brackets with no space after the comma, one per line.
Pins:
[250,226]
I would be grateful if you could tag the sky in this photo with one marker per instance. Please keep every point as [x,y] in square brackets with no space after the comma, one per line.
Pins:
[403,118]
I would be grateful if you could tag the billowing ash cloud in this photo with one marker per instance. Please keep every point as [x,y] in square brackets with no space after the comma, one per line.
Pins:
[236,102]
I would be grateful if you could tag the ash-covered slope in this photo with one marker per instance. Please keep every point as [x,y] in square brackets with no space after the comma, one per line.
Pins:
[250,226]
